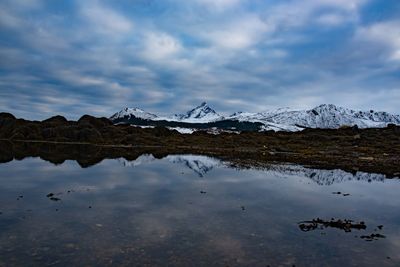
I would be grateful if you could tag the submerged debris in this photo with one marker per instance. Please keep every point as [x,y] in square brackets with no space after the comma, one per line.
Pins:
[318,223]
[346,225]
[340,193]
[52,197]
[372,237]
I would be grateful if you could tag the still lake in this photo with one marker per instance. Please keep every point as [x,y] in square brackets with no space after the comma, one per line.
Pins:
[189,210]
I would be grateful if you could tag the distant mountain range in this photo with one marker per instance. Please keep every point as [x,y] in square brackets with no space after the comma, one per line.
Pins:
[326,116]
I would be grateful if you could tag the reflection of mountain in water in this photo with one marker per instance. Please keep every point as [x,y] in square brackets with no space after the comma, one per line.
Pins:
[203,164]
[143,159]
[198,164]
[324,177]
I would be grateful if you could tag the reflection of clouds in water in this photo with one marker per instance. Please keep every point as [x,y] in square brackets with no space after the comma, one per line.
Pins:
[227,246]
[153,206]
[152,229]
[394,247]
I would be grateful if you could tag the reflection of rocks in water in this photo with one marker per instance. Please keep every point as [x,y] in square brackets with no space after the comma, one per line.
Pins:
[372,237]
[197,163]
[346,225]
[325,177]
[52,197]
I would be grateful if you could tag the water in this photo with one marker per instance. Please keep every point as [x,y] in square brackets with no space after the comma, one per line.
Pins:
[192,211]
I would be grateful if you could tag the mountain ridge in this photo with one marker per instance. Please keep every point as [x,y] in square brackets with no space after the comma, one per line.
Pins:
[325,116]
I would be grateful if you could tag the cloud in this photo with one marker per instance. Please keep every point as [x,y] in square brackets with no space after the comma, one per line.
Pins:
[239,34]
[332,19]
[341,4]
[384,34]
[106,20]
[219,5]
[167,56]
[159,45]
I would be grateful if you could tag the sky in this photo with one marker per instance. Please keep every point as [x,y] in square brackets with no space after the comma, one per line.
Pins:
[98,56]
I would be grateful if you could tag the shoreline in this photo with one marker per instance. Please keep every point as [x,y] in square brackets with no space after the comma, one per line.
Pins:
[371,150]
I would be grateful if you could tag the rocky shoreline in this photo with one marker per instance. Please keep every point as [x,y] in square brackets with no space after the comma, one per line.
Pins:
[90,139]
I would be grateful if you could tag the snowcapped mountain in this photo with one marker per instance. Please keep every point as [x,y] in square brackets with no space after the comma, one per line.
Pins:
[323,116]
[327,116]
[133,112]
[200,114]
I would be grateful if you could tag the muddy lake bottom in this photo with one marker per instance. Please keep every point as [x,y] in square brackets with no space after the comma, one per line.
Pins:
[191,210]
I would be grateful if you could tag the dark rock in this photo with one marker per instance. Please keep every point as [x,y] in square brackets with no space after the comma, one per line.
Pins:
[93,121]
[56,119]
[6,116]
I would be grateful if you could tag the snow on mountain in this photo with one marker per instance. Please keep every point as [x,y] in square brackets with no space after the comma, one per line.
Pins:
[282,119]
[200,114]
[133,112]
[331,116]
[182,130]
[322,116]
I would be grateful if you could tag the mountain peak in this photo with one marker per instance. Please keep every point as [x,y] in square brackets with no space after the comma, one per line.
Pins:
[201,113]
[133,112]
[283,119]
